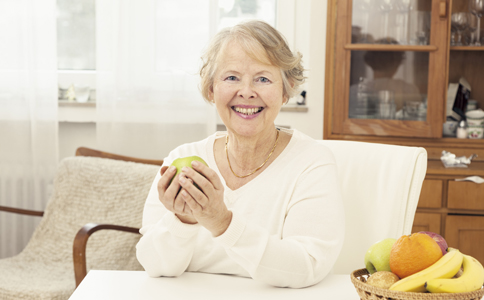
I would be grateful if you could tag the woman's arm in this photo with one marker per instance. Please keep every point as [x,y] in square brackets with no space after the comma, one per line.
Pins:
[167,244]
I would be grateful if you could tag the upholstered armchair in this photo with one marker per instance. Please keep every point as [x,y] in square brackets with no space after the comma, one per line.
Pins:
[90,194]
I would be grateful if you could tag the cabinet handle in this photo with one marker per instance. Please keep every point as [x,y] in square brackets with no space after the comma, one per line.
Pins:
[443,9]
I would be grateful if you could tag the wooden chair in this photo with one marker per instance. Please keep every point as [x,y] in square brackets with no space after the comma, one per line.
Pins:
[80,241]
[93,191]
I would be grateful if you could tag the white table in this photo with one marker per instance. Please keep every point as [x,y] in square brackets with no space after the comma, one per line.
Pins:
[134,285]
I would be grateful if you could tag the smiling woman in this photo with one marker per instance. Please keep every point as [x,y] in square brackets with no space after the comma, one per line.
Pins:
[268,204]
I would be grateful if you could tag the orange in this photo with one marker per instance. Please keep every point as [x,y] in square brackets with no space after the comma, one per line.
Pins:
[413,253]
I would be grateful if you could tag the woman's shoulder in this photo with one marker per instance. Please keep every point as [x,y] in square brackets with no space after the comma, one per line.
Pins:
[307,148]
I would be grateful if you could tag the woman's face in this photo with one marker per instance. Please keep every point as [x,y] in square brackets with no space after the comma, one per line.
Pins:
[248,94]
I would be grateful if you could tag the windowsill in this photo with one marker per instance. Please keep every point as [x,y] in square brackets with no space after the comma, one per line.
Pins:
[77,112]
[294,108]
[82,112]
[75,103]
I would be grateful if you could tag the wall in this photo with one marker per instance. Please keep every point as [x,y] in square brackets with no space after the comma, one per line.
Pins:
[304,26]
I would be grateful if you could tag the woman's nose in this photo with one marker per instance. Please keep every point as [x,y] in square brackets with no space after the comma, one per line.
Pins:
[246,90]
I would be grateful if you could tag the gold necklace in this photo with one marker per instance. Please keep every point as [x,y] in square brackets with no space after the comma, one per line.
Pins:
[228,160]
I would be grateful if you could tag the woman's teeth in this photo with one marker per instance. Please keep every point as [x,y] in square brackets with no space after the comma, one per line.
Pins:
[248,111]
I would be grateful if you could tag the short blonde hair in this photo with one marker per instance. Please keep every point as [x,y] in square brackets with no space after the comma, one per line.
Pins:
[261,42]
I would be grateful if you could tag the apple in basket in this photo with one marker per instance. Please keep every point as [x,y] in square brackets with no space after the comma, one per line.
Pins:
[179,163]
[439,239]
[377,258]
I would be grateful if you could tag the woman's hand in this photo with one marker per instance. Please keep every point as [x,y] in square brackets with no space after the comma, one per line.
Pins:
[207,203]
[170,195]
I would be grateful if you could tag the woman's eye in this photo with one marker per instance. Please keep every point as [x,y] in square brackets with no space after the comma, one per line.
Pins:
[231,78]
[263,79]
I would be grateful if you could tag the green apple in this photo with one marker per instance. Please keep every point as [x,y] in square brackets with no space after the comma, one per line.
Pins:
[179,163]
[377,258]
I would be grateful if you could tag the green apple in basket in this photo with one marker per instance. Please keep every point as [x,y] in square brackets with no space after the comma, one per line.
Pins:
[179,163]
[377,258]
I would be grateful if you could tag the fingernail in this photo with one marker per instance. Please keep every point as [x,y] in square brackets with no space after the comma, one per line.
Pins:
[185,169]
[182,178]
[172,169]
[195,163]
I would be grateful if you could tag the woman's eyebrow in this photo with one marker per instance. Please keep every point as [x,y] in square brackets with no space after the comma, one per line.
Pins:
[264,72]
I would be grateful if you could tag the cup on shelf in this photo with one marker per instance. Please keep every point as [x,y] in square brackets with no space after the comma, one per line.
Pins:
[386,106]
[450,128]
[411,110]
[475,131]
[82,93]
[475,117]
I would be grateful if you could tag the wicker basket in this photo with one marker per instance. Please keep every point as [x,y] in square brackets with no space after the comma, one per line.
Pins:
[369,292]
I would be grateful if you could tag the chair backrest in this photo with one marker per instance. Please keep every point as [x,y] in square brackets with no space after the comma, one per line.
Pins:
[381,186]
[92,190]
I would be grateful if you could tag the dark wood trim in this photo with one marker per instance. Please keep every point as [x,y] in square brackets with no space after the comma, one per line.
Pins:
[22,211]
[80,242]
[378,47]
[84,151]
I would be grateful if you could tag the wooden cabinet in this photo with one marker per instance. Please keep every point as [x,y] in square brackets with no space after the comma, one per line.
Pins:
[427,222]
[454,209]
[387,53]
[351,113]
[466,233]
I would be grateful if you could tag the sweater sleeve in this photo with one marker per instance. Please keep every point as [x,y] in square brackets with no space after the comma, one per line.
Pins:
[312,235]
[167,244]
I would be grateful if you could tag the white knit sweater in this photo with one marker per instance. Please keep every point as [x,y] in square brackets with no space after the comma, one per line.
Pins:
[287,227]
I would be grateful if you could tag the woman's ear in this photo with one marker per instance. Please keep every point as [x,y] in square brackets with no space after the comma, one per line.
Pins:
[210,94]
[285,99]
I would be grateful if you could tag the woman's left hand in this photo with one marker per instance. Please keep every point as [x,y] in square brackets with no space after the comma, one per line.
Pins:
[207,203]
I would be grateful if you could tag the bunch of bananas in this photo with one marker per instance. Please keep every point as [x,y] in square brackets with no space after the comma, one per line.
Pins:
[441,276]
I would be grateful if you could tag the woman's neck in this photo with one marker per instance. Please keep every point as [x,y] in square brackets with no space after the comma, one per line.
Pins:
[248,153]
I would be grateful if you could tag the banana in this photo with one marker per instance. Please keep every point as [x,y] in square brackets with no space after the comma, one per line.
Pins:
[446,267]
[472,279]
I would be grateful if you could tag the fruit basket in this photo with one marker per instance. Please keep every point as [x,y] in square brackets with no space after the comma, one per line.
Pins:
[369,292]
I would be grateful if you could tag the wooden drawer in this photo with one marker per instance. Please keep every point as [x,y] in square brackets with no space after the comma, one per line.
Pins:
[431,194]
[426,222]
[465,195]
[436,152]
[466,233]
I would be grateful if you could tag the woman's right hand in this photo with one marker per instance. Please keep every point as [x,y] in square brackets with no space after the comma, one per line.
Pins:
[170,195]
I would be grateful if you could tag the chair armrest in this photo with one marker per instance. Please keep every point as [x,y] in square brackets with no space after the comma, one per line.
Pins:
[22,211]
[80,242]
[83,151]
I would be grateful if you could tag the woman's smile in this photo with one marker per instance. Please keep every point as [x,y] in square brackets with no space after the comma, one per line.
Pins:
[247,112]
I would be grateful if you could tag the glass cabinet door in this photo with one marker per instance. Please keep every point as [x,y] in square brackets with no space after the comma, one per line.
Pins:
[390,69]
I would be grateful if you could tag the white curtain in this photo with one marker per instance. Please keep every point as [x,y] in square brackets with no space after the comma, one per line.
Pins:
[28,115]
[148,55]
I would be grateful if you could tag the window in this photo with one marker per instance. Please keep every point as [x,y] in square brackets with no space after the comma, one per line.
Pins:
[76,34]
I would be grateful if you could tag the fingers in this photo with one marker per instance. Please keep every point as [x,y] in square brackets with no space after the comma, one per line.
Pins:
[166,176]
[163,170]
[208,174]
[179,204]
[191,191]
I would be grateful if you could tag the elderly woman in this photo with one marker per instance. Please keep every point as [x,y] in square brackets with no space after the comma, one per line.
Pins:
[268,204]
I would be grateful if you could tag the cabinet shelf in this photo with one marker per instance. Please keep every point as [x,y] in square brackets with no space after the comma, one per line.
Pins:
[381,47]
[467,48]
